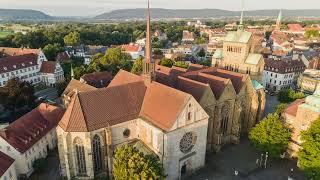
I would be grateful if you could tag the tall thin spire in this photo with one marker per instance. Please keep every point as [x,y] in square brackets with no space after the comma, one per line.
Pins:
[241,27]
[278,24]
[148,63]
[148,38]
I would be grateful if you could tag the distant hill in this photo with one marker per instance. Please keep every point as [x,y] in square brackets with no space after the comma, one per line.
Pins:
[202,13]
[23,14]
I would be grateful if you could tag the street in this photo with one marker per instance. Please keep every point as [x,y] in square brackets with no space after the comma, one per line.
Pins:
[271,103]
[50,94]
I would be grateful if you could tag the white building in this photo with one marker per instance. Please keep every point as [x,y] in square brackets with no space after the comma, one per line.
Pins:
[24,64]
[7,167]
[134,50]
[51,73]
[31,137]
[281,74]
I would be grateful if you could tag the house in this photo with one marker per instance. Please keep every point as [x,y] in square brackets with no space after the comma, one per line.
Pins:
[295,29]
[311,59]
[7,167]
[299,116]
[188,36]
[134,50]
[309,80]
[63,57]
[97,79]
[281,74]
[51,73]
[31,137]
[231,26]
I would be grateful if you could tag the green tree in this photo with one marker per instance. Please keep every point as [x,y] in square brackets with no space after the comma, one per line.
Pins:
[312,34]
[129,163]
[202,53]
[115,59]
[181,64]
[72,39]
[309,154]
[166,62]
[280,108]
[40,164]
[270,135]
[79,72]
[137,66]
[289,95]
[51,51]
[17,95]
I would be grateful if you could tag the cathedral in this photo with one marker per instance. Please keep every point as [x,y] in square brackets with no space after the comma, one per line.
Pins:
[238,54]
[176,114]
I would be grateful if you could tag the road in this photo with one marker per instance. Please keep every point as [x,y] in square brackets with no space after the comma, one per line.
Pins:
[271,103]
[49,94]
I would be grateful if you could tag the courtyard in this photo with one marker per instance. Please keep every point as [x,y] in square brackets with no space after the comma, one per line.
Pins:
[243,159]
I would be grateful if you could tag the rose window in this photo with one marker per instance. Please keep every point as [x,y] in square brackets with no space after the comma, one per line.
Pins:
[187,142]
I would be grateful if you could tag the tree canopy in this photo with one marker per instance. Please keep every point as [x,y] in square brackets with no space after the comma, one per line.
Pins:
[270,135]
[166,62]
[289,95]
[309,155]
[137,66]
[72,39]
[181,64]
[17,95]
[129,163]
[51,51]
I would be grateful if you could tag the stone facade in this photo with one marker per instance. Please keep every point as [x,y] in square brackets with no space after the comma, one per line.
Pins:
[309,80]
[163,144]
[238,55]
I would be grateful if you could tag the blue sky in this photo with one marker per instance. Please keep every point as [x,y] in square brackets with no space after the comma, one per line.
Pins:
[94,7]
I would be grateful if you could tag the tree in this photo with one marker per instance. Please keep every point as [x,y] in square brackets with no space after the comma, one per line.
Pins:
[16,95]
[270,135]
[309,154]
[40,164]
[115,59]
[166,62]
[72,39]
[289,95]
[52,50]
[312,34]
[202,53]
[129,163]
[280,108]
[181,64]
[79,72]
[137,66]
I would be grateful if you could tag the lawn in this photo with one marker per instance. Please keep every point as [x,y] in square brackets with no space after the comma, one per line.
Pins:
[5,33]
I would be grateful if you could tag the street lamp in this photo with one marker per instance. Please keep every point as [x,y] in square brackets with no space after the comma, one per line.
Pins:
[265,162]
[261,159]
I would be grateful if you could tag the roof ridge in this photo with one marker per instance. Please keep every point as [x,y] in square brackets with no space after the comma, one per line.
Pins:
[84,114]
[213,77]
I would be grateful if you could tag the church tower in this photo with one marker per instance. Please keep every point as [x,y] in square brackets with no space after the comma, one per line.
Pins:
[148,73]
[278,24]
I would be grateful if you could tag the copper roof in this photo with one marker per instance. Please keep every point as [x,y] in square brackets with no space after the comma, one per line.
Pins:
[292,108]
[30,128]
[13,63]
[48,67]
[6,162]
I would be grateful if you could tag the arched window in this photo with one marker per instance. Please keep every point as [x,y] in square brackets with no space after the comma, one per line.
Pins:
[224,119]
[80,157]
[97,155]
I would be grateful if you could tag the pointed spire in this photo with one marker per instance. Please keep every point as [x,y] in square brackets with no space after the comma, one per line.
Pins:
[148,38]
[240,27]
[278,24]
[72,73]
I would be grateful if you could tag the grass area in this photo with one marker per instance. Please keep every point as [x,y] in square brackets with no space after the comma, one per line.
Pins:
[4,34]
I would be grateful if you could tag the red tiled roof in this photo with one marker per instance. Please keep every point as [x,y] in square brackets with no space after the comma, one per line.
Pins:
[295,28]
[75,85]
[123,77]
[48,67]
[293,107]
[98,79]
[162,105]
[195,88]
[13,63]
[18,51]
[30,128]
[6,162]
[105,107]
[284,66]
[131,48]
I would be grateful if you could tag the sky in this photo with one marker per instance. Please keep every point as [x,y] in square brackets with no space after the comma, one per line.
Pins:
[95,7]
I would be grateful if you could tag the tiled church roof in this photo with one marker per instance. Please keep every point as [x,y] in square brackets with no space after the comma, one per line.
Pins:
[5,164]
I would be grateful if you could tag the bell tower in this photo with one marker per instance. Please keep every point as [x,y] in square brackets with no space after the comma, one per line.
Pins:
[148,73]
